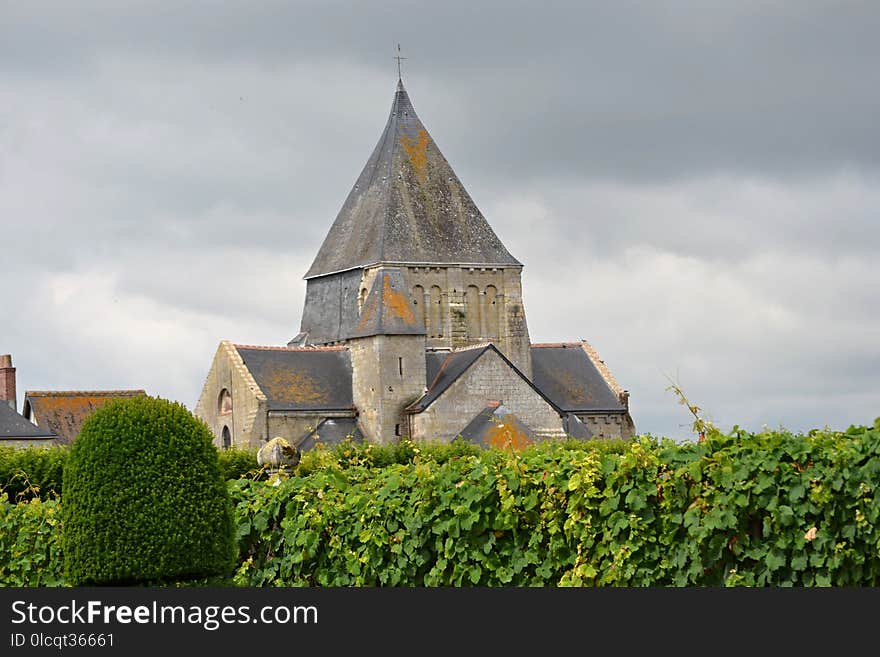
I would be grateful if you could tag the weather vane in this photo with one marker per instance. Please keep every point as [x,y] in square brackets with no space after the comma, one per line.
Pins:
[398,58]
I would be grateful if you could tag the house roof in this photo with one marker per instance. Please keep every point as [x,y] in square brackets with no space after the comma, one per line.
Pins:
[387,309]
[567,375]
[331,431]
[496,426]
[301,378]
[408,206]
[15,426]
[64,411]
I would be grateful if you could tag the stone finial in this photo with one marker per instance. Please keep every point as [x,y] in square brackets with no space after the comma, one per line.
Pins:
[277,454]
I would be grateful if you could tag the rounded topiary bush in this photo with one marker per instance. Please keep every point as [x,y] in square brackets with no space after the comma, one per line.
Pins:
[144,500]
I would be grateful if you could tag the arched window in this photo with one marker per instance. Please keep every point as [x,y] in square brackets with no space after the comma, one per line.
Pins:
[224,402]
[227,438]
[418,301]
[361,298]
[436,312]
[491,311]
[472,309]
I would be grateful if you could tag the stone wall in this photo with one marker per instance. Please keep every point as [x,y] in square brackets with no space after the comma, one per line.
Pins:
[607,425]
[461,306]
[246,416]
[488,379]
[388,374]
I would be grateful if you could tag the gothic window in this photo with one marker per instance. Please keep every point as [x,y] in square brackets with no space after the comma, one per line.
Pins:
[419,303]
[436,328]
[472,309]
[224,402]
[491,302]
[227,438]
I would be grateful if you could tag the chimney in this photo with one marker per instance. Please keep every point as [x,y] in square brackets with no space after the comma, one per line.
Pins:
[7,381]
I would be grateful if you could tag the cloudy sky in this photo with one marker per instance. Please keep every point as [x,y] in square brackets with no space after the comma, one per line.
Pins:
[692,187]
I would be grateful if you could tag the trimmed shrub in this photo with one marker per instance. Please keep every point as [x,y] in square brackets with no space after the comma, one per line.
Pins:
[144,499]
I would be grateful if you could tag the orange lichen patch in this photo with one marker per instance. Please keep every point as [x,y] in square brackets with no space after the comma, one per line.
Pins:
[397,304]
[294,386]
[416,151]
[64,412]
[507,434]
[367,314]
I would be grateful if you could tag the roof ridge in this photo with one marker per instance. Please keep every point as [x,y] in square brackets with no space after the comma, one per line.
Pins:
[468,347]
[71,393]
[600,365]
[339,347]
[550,345]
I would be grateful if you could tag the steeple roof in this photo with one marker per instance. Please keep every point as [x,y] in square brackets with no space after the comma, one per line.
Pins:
[387,309]
[408,206]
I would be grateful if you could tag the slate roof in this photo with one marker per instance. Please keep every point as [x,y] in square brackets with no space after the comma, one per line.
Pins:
[565,374]
[64,411]
[575,428]
[301,378]
[387,309]
[331,431]
[496,426]
[15,426]
[452,364]
[408,206]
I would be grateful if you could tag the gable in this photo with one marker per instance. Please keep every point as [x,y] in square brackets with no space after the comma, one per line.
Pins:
[459,365]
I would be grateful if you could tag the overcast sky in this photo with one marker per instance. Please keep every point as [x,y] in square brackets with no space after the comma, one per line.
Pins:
[692,187]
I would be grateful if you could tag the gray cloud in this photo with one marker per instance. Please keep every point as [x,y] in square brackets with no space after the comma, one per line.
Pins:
[692,189]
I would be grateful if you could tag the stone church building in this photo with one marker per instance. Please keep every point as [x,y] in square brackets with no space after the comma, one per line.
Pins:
[414,326]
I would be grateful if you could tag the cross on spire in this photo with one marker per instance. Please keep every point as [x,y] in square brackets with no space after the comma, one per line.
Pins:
[398,58]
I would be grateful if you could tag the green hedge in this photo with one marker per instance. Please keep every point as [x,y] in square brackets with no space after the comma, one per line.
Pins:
[739,509]
[38,471]
[30,543]
[736,509]
[32,471]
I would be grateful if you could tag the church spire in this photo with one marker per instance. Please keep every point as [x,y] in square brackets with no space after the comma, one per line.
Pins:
[408,207]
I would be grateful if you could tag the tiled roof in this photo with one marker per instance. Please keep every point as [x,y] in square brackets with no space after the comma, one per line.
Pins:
[301,378]
[15,426]
[496,426]
[567,374]
[64,411]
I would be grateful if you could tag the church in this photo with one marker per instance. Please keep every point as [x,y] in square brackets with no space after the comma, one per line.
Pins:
[413,326]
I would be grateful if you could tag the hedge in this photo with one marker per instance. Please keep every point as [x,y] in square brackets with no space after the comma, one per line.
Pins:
[38,471]
[738,509]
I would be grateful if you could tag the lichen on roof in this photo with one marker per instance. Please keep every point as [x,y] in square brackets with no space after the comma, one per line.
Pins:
[387,309]
[408,206]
